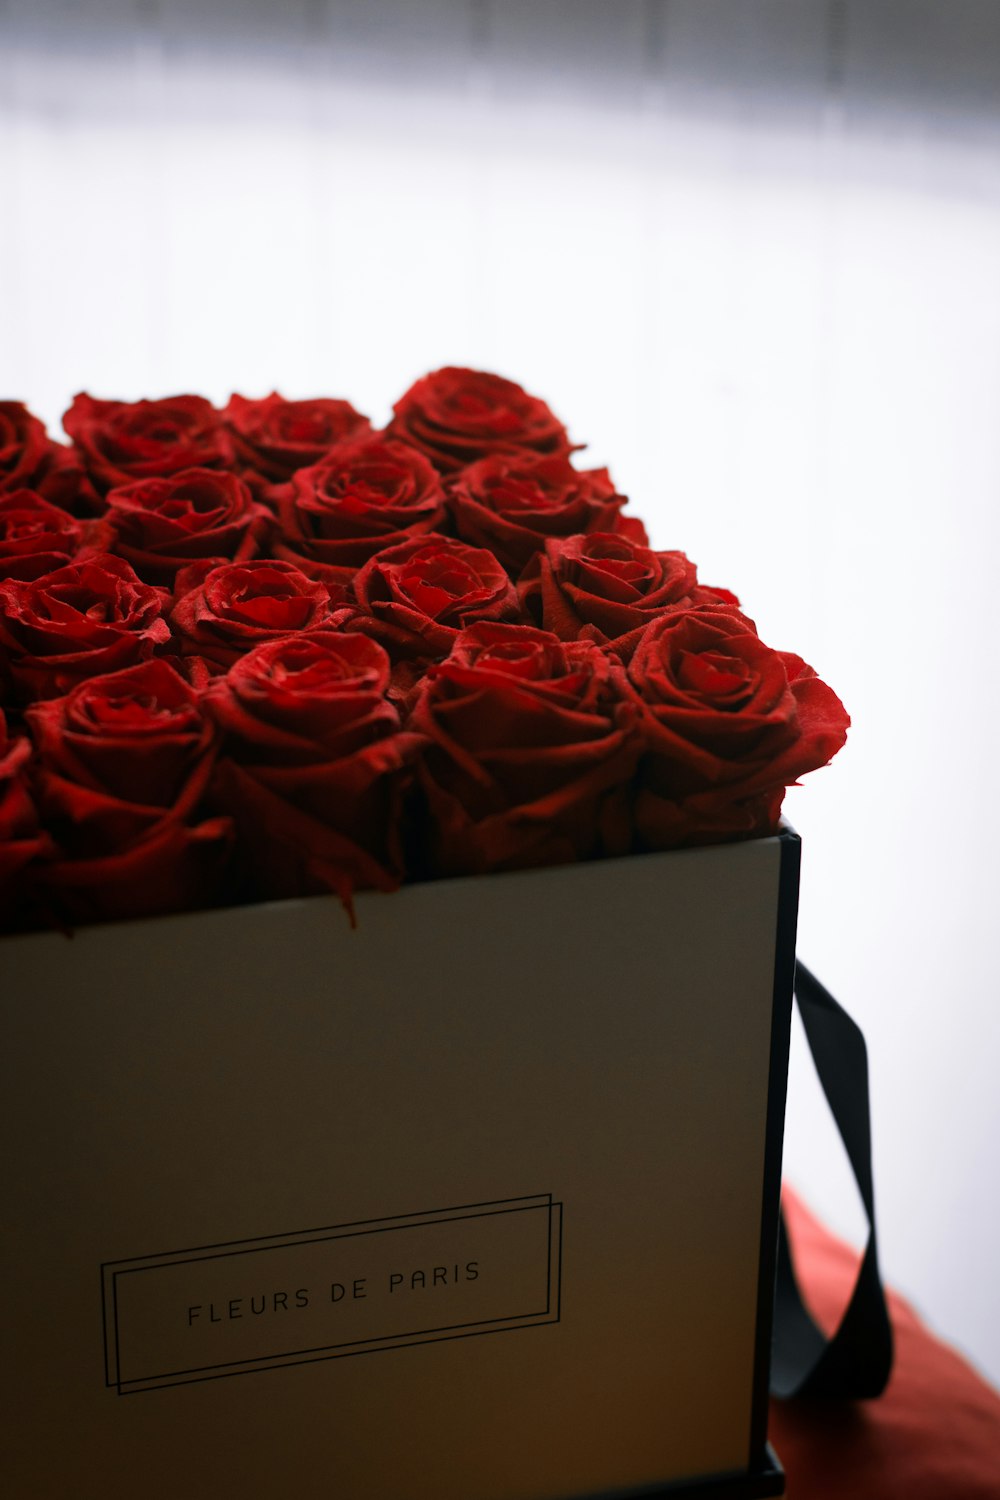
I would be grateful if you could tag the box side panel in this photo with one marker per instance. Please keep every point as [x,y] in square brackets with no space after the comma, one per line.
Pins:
[594,1041]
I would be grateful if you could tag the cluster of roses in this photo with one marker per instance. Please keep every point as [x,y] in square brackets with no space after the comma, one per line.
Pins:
[269,651]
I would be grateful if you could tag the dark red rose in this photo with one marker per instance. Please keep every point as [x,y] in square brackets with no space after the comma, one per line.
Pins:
[37,537]
[161,525]
[22,842]
[314,765]
[608,588]
[728,724]
[123,441]
[24,447]
[90,617]
[122,765]
[456,416]
[512,505]
[274,437]
[223,612]
[418,596]
[532,747]
[361,498]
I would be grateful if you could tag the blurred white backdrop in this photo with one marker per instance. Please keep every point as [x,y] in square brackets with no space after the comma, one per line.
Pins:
[749,250]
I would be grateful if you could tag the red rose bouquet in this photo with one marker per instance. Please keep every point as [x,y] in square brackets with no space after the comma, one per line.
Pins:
[268,651]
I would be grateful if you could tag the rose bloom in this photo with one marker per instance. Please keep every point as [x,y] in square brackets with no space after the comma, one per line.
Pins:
[122,765]
[223,612]
[123,441]
[274,437]
[361,498]
[728,725]
[513,504]
[89,617]
[162,525]
[22,842]
[315,765]
[609,588]
[24,447]
[456,416]
[417,597]
[37,537]
[29,459]
[532,747]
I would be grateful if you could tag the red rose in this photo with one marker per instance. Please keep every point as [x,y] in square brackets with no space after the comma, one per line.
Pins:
[123,762]
[361,498]
[223,612]
[314,766]
[89,617]
[420,595]
[161,525]
[456,416]
[512,505]
[37,537]
[24,447]
[274,437]
[728,723]
[22,843]
[122,441]
[532,744]
[609,588]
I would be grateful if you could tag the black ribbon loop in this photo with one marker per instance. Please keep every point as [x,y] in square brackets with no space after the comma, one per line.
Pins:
[857,1360]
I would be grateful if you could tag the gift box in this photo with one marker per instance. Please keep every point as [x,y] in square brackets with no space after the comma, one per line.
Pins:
[474,1198]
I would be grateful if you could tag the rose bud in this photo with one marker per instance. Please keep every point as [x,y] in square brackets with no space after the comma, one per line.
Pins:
[728,725]
[532,745]
[456,416]
[314,766]
[361,498]
[89,617]
[37,537]
[512,505]
[122,765]
[273,437]
[223,612]
[609,588]
[417,597]
[22,842]
[161,525]
[124,441]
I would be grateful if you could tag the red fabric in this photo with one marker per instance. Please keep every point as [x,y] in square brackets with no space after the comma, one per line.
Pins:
[934,1435]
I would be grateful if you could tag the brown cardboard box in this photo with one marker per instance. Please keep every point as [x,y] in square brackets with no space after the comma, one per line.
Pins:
[474,1202]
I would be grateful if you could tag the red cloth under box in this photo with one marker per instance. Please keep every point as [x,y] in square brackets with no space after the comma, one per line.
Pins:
[934,1435]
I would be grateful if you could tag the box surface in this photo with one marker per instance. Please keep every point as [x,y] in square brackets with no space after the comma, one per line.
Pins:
[474,1202]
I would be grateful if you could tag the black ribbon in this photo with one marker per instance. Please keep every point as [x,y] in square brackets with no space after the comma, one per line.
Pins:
[857,1360]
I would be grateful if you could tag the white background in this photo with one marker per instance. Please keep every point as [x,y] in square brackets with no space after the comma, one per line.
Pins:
[750,251]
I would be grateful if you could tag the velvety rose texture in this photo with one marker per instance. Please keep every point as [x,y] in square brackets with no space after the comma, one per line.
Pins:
[22,842]
[274,437]
[728,725]
[162,525]
[513,504]
[89,617]
[417,597]
[361,498]
[456,416]
[315,765]
[122,441]
[24,447]
[37,537]
[223,612]
[532,745]
[122,765]
[609,588]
